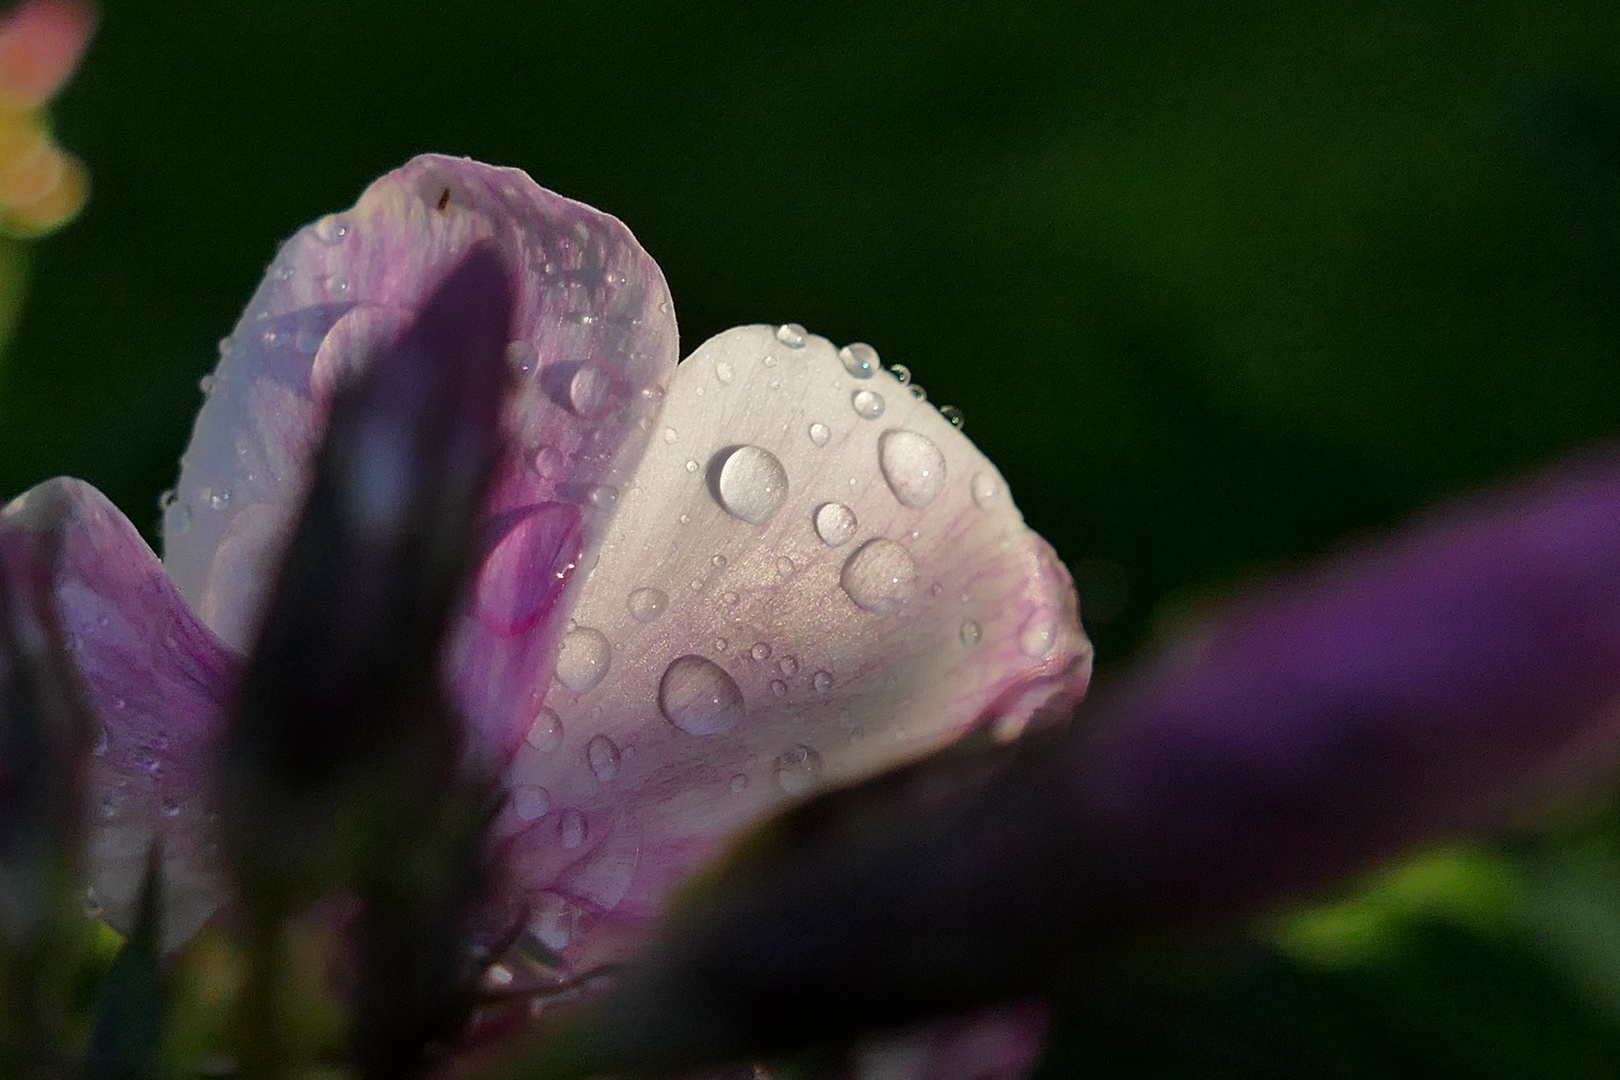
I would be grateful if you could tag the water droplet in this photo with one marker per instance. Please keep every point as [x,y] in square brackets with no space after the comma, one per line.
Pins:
[797,770]
[784,566]
[571,829]
[970,633]
[724,371]
[880,577]
[913,467]
[788,665]
[738,782]
[859,359]
[835,524]
[590,391]
[918,392]
[602,755]
[207,384]
[583,660]
[718,562]
[1038,635]
[214,500]
[770,360]
[698,697]
[901,372]
[820,433]
[822,681]
[147,761]
[779,688]
[691,466]
[752,485]
[985,489]
[109,809]
[760,651]
[169,807]
[953,414]
[670,435]
[546,732]
[330,230]
[549,462]
[868,404]
[531,803]
[604,496]
[732,599]
[647,604]
[791,334]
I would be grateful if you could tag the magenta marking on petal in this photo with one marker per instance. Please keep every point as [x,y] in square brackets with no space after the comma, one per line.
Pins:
[529,568]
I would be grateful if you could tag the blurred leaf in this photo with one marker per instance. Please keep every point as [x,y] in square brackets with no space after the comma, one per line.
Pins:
[126,1036]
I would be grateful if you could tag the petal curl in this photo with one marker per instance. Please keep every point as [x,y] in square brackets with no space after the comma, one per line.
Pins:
[594,339]
[797,592]
[156,680]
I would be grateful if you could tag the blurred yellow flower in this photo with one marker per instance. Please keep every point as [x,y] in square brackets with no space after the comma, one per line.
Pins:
[41,186]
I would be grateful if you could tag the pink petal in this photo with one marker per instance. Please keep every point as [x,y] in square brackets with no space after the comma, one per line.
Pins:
[728,657]
[157,681]
[40,45]
[595,338]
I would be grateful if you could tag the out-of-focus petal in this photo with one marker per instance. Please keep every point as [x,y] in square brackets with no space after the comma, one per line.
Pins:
[594,340]
[40,45]
[996,1044]
[801,588]
[156,680]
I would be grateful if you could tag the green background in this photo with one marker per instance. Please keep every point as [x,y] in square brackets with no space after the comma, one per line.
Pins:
[1216,286]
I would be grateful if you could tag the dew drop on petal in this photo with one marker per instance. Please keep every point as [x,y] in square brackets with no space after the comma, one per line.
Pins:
[698,697]
[169,807]
[739,781]
[912,466]
[724,371]
[1038,635]
[835,524]
[691,466]
[590,391]
[779,688]
[571,829]
[602,755]
[670,435]
[970,633]
[788,665]
[784,566]
[797,770]
[531,803]
[545,733]
[985,489]
[549,462]
[880,576]
[859,359]
[820,433]
[822,681]
[646,605]
[868,404]
[953,414]
[902,373]
[752,485]
[604,496]
[583,660]
[791,334]
[760,651]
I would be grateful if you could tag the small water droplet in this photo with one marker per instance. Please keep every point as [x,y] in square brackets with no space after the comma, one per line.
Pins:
[822,681]
[738,782]
[670,435]
[724,371]
[604,496]
[791,334]
[646,605]
[820,433]
[835,524]
[732,599]
[760,651]
[779,688]
[691,466]
[859,359]
[590,391]
[169,807]
[207,384]
[752,484]
[880,576]
[912,466]
[546,731]
[784,566]
[1038,636]
[788,665]
[331,230]
[868,404]
[550,463]
[571,829]
[698,697]
[721,644]
[531,803]
[109,809]
[918,392]
[953,414]
[985,490]
[718,562]
[901,372]
[797,770]
[970,633]
[770,360]
[583,660]
[602,755]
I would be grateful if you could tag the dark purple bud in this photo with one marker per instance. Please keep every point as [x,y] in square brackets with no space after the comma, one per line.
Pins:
[1447,681]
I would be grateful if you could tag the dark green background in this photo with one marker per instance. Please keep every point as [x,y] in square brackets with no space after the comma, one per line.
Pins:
[1214,284]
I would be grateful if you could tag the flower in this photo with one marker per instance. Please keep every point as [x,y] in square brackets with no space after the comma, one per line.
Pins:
[41,186]
[701,591]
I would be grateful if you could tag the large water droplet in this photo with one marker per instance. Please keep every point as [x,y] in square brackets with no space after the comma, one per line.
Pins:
[531,803]
[859,359]
[970,633]
[583,660]
[546,732]
[835,524]
[791,334]
[881,576]
[647,604]
[868,404]
[698,697]
[602,755]
[1038,635]
[590,391]
[571,829]
[913,467]
[797,770]
[820,433]
[752,484]
[985,490]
